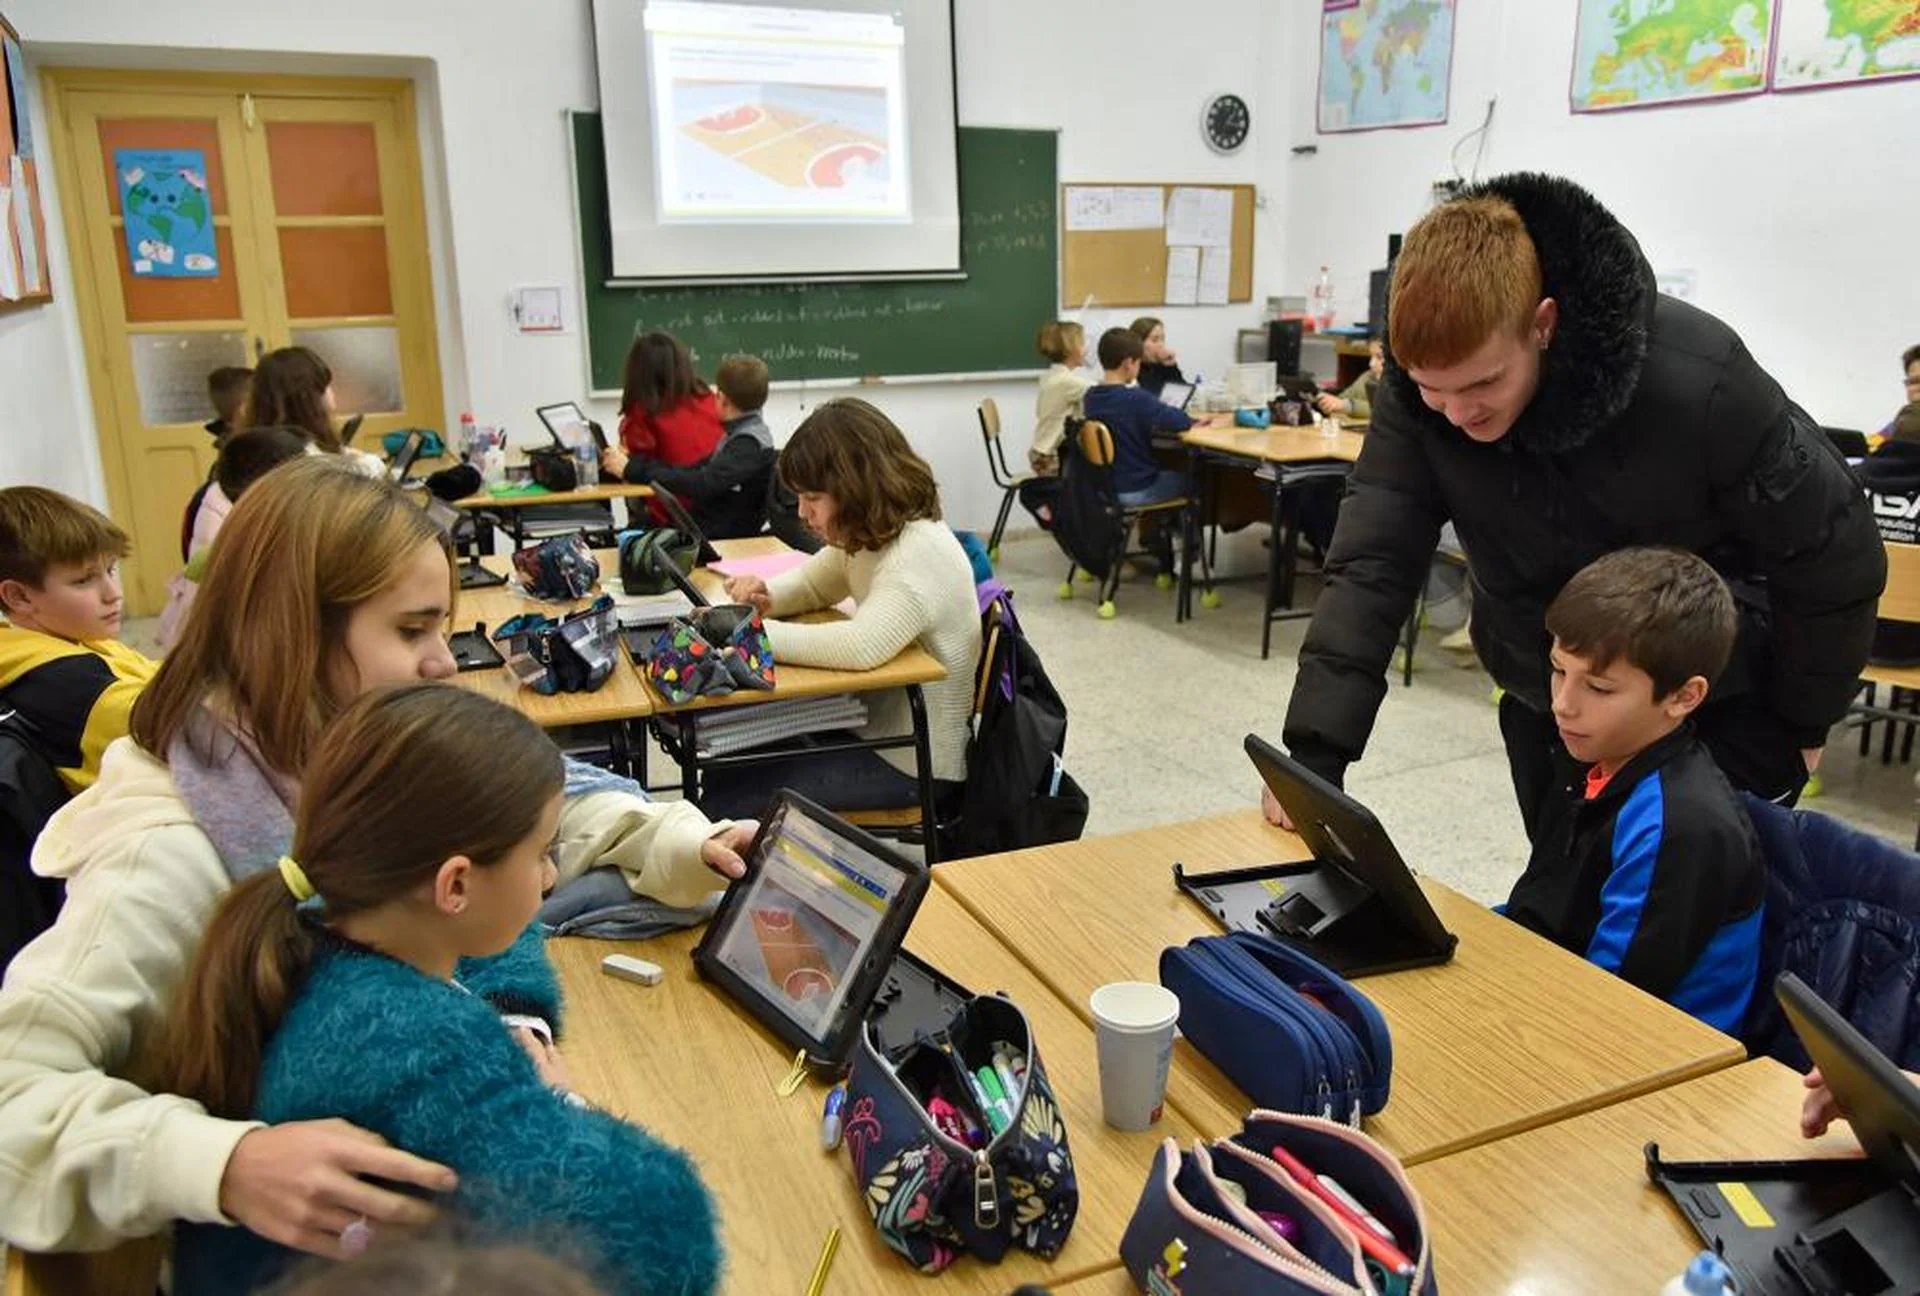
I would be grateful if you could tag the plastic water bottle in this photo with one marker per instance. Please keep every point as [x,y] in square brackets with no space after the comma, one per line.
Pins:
[463,440]
[586,465]
[1323,299]
[1708,1275]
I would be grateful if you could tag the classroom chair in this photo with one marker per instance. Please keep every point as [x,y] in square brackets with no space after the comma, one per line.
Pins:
[1093,446]
[1003,477]
[1447,556]
[1900,602]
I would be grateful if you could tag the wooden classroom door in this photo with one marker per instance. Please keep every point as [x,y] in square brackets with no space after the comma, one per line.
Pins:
[318,239]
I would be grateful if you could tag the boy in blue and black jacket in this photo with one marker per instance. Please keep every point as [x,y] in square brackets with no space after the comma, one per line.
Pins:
[1648,865]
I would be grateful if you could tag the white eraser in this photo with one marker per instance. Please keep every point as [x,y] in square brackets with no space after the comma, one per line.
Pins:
[628,968]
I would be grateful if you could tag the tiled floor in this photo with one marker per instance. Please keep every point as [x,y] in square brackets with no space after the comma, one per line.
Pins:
[1158,712]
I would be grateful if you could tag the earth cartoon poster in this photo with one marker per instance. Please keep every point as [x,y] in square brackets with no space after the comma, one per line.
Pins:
[169,218]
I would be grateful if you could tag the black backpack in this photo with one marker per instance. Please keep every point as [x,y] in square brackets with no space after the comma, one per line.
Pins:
[30,792]
[1087,520]
[1017,793]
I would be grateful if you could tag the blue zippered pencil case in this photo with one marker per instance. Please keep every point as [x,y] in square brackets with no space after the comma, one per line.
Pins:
[1293,1034]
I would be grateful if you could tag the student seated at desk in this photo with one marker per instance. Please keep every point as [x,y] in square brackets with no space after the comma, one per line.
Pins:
[1133,415]
[1648,864]
[1062,388]
[667,413]
[1356,402]
[1910,372]
[244,459]
[227,393]
[727,490]
[62,665]
[362,977]
[1158,364]
[293,387]
[873,500]
[324,585]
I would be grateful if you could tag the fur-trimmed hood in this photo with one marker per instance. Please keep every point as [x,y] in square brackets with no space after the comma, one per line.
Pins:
[1595,270]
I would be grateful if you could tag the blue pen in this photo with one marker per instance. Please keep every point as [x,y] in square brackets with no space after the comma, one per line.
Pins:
[830,1119]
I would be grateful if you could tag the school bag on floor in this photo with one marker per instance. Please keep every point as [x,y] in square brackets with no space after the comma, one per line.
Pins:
[1018,792]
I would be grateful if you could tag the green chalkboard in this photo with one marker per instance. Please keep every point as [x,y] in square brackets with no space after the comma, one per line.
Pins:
[1009,240]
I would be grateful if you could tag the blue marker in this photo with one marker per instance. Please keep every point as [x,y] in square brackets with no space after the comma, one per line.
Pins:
[830,1119]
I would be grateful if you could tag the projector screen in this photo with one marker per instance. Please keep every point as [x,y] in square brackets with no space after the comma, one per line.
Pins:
[812,139]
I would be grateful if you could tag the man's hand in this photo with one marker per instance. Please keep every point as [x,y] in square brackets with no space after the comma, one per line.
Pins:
[722,851]
[1270,807]
[301,1184]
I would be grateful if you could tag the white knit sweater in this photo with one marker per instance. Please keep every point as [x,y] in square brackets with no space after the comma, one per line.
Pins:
[919,589]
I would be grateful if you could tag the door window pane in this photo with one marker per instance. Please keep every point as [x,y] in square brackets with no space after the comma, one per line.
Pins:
[365,364]
[152,299]
[332,272]
[170,372]
[324,168]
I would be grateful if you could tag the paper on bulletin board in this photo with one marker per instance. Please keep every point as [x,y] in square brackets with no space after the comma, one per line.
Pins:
[1216,272]
[169,217]
[1183,276]
[1202,217]
[9,264]
[1114,207]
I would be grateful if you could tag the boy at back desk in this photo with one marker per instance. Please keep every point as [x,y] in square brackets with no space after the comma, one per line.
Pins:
[1133,415]
[1648,865]
[62,667]
[728,489]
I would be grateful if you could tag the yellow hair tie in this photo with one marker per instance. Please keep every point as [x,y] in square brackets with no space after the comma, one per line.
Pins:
[295,878]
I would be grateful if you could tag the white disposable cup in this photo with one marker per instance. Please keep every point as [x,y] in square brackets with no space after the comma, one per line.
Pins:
[1133,1029]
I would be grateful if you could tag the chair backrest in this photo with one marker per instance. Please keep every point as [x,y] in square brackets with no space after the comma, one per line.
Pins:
[1096,443]
[989,418]
[1901,599]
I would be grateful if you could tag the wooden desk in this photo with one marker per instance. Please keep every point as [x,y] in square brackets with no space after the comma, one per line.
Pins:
[687,1063]
[1277,445]
[1568,1209]
[1513,1033]
[605,492]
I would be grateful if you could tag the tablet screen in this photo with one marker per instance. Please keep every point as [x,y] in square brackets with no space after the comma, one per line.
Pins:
[812,914]
[567,423]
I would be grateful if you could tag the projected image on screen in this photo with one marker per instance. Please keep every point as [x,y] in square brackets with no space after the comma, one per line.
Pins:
[777,114]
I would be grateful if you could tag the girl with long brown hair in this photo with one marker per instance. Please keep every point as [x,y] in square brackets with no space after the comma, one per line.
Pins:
[293,387]
[323,585]
[352,980]
[667,411]
[873,501]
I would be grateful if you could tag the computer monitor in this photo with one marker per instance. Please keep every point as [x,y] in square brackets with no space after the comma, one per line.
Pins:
[1283,345]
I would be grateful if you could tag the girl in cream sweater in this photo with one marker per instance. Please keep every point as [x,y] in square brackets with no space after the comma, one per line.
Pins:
[1062,388]
[865,492]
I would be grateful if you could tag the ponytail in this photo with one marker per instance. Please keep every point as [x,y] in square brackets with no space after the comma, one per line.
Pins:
[251,964]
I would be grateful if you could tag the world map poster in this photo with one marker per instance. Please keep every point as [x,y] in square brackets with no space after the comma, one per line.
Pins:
[1384,63]
[1640,53]
[1838,42]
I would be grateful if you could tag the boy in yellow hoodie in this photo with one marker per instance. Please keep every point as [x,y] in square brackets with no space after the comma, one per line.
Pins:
[62,668]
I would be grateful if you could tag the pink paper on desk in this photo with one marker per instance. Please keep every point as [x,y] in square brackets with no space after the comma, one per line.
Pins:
[767,566]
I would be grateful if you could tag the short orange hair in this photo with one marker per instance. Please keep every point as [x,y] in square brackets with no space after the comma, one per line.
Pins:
[1467,271]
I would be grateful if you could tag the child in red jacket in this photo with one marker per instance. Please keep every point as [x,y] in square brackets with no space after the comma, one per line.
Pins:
[667,414]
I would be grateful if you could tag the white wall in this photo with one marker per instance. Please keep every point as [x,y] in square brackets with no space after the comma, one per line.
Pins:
[1798,211]
[495,77]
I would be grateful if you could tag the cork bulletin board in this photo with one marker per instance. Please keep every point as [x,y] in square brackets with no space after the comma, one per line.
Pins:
[1108,258]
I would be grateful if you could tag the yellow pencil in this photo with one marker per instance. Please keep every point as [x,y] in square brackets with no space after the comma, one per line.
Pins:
[818,1283]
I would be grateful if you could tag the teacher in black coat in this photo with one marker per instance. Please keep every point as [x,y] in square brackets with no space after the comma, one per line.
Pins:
[1545,399]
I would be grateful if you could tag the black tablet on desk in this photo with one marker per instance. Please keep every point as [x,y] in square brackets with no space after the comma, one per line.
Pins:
[805,940]
[1354,906]
[566,419]
[683,523]
[1829,1226]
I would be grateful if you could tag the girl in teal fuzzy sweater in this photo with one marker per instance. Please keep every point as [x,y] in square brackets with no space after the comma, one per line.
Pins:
[365,980]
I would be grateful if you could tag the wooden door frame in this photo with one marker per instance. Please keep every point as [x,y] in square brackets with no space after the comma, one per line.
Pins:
[413,275]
